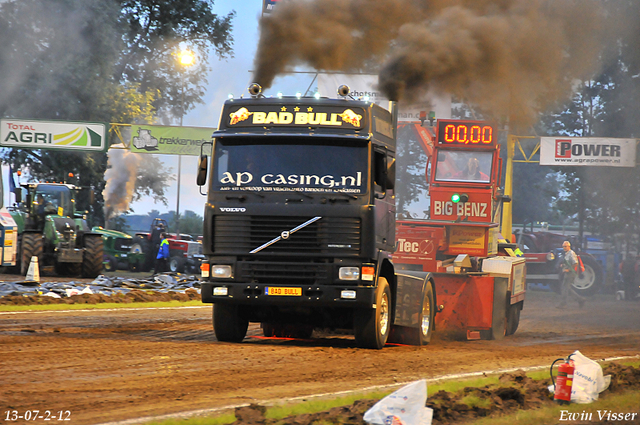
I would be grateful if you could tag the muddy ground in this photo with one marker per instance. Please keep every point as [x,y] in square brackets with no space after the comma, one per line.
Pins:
[108,366]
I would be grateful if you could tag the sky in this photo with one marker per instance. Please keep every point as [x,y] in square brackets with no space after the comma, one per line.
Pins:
[228,76]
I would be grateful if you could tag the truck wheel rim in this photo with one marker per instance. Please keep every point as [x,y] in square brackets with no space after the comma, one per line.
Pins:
[384,314]
[426,317]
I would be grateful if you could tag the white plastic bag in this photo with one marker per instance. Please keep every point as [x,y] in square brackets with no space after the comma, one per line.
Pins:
[588,380]
[406,406]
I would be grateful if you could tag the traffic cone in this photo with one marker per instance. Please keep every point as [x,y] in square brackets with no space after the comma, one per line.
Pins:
[34,270]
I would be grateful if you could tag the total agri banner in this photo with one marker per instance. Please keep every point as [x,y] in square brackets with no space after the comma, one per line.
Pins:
[64,135]
[589,151]
[169,140]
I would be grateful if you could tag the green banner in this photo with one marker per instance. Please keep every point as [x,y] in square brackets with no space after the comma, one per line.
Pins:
[169,140]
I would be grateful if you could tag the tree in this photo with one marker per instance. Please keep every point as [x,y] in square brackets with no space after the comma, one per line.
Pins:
[101,61]
[155,31]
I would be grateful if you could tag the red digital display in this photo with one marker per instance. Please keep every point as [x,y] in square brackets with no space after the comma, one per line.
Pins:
[466,133]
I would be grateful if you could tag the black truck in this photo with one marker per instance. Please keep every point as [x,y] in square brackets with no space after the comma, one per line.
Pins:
[299,225]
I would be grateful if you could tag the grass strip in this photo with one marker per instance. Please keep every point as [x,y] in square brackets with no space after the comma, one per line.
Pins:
[58,307]
[623,402]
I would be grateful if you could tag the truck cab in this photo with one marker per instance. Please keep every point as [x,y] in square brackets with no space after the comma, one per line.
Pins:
[299,224]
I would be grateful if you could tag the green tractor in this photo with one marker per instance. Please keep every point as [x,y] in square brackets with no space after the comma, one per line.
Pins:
[50,228]
[119,252]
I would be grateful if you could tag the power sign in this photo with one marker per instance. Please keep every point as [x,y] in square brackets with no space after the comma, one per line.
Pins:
[591,151]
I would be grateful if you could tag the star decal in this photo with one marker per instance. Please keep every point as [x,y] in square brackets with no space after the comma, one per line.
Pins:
[296,109]
[283,109]
[309,109]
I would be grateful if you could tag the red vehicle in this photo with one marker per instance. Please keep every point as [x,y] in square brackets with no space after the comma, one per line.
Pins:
[479,282]
[185,253]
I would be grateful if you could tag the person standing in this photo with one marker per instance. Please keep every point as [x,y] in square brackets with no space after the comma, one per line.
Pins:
[569,274]
[162,259]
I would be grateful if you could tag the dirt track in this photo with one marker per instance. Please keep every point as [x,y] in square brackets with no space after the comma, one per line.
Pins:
[106,366]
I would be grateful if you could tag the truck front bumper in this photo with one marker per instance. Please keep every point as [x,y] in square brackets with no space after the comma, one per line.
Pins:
[287,295]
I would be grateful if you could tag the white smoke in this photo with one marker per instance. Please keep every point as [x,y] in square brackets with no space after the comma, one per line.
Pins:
[121,174]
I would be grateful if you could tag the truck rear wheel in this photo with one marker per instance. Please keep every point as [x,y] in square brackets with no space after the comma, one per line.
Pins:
[32,245]
[427,317]
[372,326]
[228,323]
[93,254]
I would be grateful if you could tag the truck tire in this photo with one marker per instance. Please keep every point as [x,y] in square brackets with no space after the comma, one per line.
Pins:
[513,318]
[589,282]
[176,264]
[426,318]
[32,245]
[93,254]
[229,324]
[372,326]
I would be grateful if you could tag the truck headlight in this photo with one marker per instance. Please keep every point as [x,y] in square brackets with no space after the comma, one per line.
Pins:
[551,256]
[221,271]
[349,273]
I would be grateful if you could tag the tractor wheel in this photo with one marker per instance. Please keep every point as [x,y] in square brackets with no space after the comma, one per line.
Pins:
[110,263]
[176,264]
[372,326]
[141,245]
[32,245]
[229,323]
[93,253]
[589,282]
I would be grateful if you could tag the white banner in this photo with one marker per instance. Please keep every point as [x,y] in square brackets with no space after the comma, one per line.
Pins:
[590,151]
[363,85]
[33,134]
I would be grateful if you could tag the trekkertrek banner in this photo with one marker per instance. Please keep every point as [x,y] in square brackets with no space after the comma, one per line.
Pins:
[591,151]
[269,5]
[362,85]
[65,135]
[169,140]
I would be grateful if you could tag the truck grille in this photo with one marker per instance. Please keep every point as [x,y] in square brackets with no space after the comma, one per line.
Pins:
[283,273]
[331,236]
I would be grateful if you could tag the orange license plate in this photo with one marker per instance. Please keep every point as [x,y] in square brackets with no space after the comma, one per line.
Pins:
[275,290]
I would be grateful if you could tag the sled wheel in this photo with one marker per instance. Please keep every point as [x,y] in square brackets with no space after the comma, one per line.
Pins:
[372,326]
[513,318]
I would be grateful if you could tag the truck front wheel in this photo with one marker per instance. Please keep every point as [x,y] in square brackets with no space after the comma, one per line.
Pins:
[372,326]
[228,323]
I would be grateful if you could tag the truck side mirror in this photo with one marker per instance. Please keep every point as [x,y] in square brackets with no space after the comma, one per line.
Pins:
[92,196]
[18,192]
[201,177]
[391,173]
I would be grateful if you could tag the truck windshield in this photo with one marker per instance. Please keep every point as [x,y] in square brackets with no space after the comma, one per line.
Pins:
[464,166]
[296,165]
